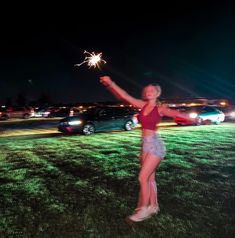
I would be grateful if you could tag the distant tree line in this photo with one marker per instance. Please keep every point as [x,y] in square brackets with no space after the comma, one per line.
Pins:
[45,100]
[22,100]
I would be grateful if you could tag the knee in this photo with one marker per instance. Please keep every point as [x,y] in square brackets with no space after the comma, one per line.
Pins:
[142,179]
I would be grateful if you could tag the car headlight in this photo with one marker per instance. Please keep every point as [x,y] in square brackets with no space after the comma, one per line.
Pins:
[74,123]
[193,115]
[46,113]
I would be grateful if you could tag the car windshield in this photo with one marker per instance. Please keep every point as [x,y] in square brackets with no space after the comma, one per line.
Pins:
[91,111]
[196,109]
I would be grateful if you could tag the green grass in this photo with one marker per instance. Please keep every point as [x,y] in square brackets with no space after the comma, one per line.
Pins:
[84,186]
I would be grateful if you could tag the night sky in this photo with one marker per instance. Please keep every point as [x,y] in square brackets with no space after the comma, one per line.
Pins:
[189,49]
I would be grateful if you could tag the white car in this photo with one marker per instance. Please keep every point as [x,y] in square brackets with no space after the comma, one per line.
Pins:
[204,115]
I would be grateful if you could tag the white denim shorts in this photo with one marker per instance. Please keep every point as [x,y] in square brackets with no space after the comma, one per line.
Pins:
[154,145]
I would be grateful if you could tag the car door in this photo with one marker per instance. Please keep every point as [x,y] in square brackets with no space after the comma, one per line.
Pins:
[208,113]
[105,119]
[120,116]
[17,112]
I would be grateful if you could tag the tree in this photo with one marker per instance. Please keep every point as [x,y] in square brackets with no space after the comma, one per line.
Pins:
[21,99]
[44,99]
[8,102]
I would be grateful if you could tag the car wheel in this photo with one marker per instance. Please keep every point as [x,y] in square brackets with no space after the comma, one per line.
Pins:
[5,117]
[128,126]
[88,129]
[199,121]
[179,124]
[217,121]
[26,116]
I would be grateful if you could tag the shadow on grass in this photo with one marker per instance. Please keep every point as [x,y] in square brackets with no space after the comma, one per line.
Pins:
[35,136]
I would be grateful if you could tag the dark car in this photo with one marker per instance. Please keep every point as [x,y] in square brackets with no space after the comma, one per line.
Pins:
[60,112]
[204,115]
[96,119]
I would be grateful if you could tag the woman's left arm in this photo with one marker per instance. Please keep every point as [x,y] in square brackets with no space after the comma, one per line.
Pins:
[168,112]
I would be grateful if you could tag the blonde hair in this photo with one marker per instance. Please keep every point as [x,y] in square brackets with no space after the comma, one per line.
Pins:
[158,89]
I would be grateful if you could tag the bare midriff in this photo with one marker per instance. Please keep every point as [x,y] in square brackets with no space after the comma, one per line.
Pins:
[147,132]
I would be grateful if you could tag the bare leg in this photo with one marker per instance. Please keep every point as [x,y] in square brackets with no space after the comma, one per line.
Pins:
[149,165]
[153,190]
[142,159]
[147,194]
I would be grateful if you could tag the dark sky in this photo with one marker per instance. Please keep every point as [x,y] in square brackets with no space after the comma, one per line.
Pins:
[189,49]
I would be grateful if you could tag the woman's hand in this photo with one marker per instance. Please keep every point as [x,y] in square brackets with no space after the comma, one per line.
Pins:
[119,93]
[106,81]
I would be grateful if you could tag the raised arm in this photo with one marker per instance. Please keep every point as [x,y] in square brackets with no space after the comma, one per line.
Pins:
[119,93]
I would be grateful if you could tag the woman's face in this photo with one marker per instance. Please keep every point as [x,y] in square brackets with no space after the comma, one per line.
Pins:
[151,92]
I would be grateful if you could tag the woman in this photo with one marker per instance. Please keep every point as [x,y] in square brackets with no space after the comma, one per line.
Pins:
[153,149]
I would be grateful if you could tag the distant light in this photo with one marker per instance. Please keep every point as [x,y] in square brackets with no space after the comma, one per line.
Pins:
[46,113]
[71,113]
[223,103]
[193,115]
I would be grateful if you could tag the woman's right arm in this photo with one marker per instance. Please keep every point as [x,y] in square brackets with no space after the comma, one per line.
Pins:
[119,93]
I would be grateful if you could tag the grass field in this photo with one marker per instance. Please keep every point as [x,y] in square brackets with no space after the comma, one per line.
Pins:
[84,186]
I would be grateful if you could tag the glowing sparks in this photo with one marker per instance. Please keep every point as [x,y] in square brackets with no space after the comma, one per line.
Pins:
[92,59]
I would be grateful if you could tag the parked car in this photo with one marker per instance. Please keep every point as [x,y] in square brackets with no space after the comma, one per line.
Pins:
[229,112]
[17,112]
[40,112]
[100,118]
[59,112]
[204,114]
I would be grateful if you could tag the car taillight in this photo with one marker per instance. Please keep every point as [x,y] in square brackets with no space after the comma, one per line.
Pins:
[136,118]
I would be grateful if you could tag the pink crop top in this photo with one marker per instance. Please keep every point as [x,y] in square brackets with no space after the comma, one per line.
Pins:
[150,120]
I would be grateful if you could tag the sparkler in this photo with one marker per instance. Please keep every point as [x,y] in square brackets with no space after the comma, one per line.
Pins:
[92,59]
